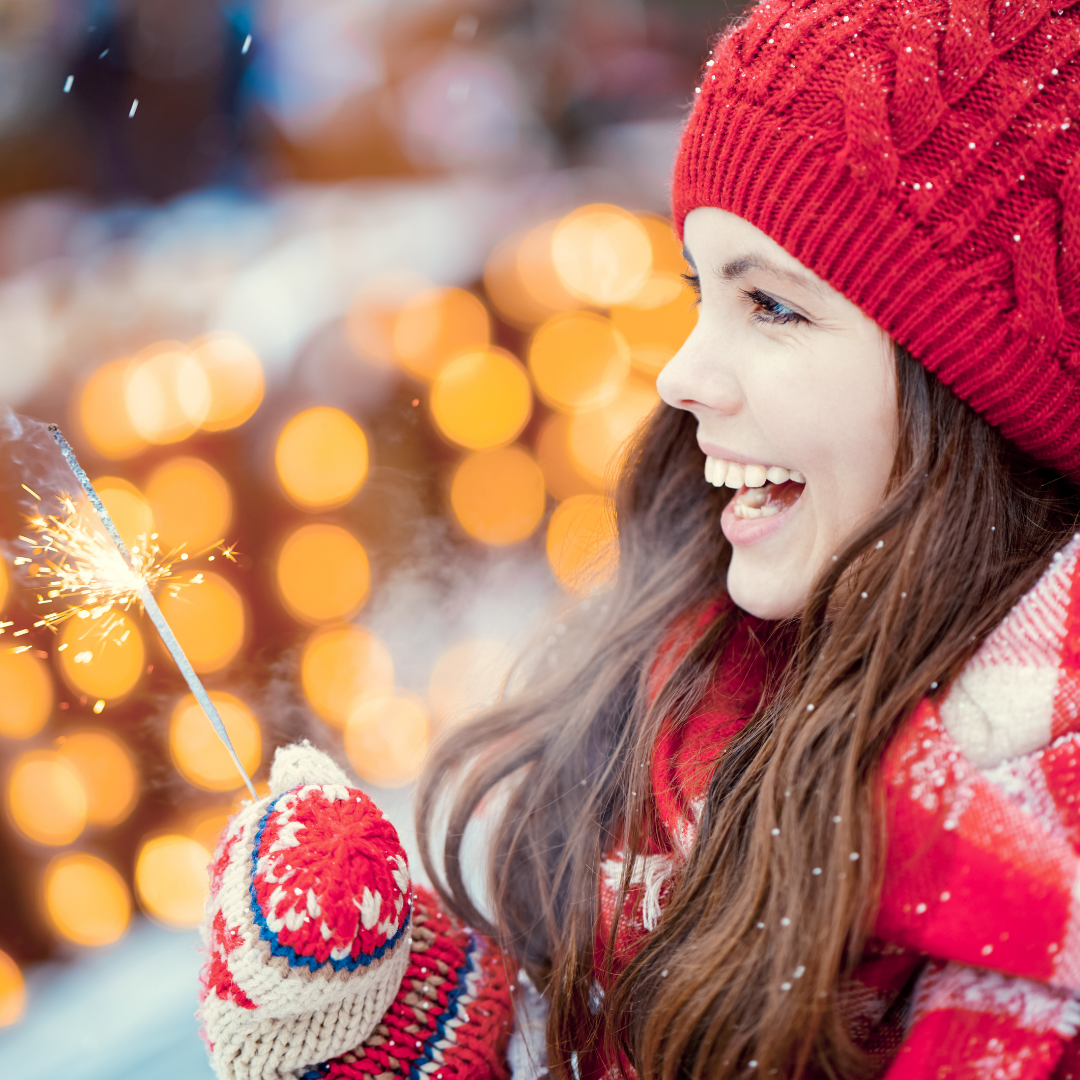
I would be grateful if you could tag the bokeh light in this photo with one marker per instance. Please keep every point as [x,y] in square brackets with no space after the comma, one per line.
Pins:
[5,583]
[562,474]
[437,324]
[107,771]
[386,739]
[657,321]
[208,619]
[498,495]
[581,544]
[86,899]
[598,438]
[103,415]
[197,752]
[46,800]
[578,360]
[98,664]
[468,677]
[27,698]
[321,458]
[126,505]
[12,991]
[171,881]
[323,573]
[667,256]
[167,393]
[191,503]
[481,399]
[373,314]
[602,254]
[521,280]
[206,826]
[342,666]
[235,379]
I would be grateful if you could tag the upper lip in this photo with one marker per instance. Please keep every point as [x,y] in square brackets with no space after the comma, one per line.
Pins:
[714,451]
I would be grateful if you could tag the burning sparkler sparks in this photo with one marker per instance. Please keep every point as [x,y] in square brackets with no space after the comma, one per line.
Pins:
[103,577]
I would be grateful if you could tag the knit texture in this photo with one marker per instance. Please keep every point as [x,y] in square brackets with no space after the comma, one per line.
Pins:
[980,903]
[923,158]
[451,1017]
[308,923]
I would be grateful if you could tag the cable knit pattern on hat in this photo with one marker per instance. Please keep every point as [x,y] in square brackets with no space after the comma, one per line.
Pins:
[308,923]
[924,159]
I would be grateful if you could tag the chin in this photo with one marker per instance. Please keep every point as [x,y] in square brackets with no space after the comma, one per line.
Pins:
[764,593]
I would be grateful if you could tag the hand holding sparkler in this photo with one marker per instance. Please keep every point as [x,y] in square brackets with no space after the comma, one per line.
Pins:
[100,572]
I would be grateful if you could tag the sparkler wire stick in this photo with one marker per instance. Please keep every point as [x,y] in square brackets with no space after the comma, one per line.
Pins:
[150,605]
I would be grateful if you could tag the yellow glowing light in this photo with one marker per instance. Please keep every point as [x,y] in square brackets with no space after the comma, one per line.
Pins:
[437,324]
[498,495]
[5,583]
[171,880]
[372,316]
[578,361]
[86,899]
[108,774]
[467,678]
[27,697]
[191,503]
[12,991]
[342,666]
[321,458]
[206,827]
[481,399]
[562,475]
[200,756]
[167,393]
[101,411]
[602,254]
[657,321]
[667,256]
[126,505]
[520,279]
[208,619]
[598,439]
[581,544]
[235,379]
[46,800]
[323,573]
[386,739]
[102,658]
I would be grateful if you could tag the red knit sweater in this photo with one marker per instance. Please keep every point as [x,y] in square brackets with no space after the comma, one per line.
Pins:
[981,895]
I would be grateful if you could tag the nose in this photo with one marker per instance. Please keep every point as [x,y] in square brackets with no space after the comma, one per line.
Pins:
[698,379]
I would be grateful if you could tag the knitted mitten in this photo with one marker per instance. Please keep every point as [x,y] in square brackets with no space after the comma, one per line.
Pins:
[312,924]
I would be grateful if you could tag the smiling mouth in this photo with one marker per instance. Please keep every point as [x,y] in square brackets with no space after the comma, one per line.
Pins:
[763,490]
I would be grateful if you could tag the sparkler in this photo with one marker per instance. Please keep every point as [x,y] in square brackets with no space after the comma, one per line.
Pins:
[122,581]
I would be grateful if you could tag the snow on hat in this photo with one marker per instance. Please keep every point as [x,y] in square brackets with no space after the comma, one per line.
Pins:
[308,924]
[923,158]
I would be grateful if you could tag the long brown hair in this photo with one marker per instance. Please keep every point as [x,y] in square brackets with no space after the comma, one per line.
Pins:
[967,525]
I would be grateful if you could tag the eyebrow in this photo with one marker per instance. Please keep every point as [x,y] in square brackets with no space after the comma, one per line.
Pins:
[737,268]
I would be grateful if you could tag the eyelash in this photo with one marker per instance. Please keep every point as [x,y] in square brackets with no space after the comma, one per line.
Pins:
[772,311]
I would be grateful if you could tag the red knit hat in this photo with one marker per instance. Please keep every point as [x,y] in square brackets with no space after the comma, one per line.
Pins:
[923,157]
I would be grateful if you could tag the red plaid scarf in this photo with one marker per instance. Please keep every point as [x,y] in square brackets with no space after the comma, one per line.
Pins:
[982,873]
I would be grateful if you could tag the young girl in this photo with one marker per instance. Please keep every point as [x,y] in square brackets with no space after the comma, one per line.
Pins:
[798,795]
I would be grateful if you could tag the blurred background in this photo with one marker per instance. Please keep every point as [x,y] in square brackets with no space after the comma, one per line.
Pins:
[347,307]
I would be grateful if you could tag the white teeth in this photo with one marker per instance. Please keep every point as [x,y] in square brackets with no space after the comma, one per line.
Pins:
[734,474]
[743,511]
[754,476]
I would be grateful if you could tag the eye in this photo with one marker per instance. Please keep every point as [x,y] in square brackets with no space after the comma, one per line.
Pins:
[695,283]
[768,310]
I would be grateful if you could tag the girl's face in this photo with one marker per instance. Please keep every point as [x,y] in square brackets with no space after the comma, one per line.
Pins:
[794,390]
